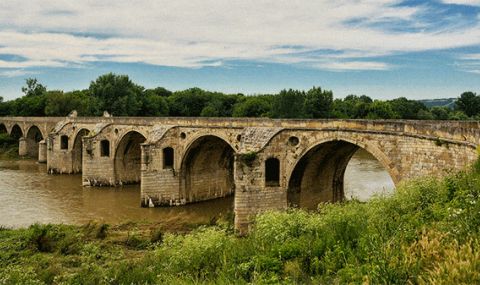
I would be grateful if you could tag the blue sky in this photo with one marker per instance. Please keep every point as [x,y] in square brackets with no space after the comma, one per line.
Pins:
[381,48]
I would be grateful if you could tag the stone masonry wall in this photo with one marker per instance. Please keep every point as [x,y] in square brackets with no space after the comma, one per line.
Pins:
[406,149]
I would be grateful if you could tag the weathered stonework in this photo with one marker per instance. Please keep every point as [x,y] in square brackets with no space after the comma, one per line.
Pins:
[266,164]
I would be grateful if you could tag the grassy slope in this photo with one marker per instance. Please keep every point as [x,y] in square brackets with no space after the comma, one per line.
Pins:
[427,233]
[447,102]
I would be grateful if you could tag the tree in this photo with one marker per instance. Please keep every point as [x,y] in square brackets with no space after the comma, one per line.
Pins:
[59,103]
[33,88]
[117,94]
[457,116]
[289,104]
[469,103]
[352,107]
[28,106]
[227,103]
[154,103]
[408,109]
[4,107]
[424,115]
[440,113]
[318,103]
[381,110]
[160,91]
[211,110]
[188,103]
[253,106]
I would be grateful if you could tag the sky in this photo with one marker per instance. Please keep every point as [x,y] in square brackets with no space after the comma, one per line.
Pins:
[381,48]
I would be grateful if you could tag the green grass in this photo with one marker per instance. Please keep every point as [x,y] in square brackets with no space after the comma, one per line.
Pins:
[427,233]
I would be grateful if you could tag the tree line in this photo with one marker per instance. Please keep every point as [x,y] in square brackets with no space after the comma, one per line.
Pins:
[120,96]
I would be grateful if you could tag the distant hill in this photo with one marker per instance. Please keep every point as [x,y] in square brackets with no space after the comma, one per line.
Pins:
[446,102]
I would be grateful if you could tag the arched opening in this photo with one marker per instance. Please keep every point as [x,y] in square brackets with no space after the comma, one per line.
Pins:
[77,151]
[64,142]
[7,142]
[16,132]
[168,157]
[365,177]
[105,148]
[34,136]
[319,175]
[128,158]
[207,169]
[272,172]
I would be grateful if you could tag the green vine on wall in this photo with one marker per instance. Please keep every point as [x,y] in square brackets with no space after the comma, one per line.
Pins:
[248,158]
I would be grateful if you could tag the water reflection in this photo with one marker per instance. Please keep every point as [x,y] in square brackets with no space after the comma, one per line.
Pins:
[29,195]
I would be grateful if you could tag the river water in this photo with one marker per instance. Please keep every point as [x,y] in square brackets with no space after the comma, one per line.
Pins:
[28,195]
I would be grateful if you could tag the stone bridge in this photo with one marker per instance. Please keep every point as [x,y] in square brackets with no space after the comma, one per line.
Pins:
[264,163]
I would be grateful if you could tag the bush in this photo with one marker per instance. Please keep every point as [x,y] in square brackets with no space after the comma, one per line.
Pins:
[156,236]
[135,242]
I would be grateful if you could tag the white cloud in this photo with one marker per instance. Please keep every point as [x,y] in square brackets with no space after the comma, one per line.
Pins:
[471,56]
[354,65]
[469,63]
[193,33]
[15,73]
[463,2]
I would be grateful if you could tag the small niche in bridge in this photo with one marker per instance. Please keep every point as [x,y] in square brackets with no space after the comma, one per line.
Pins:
[105,148]
[183,136]
[293,141]
[168,157]
[64,142]
[272,172]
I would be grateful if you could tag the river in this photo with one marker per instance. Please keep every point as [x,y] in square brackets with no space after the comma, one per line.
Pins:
[28,195]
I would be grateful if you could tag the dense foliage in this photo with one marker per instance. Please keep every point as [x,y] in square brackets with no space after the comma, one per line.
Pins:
[8,146]
[118,95]
[428,232]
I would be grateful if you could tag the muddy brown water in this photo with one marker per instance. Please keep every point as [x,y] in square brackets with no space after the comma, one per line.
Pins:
[29,195]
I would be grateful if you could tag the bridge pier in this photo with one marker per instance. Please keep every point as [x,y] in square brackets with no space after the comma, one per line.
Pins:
[160,184]
[186,167]
[42,151]
[22,147]
[254,193]
[59,160]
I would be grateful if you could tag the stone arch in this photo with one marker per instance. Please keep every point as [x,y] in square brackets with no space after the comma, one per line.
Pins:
[16,132]
[207,169]
[32,140]
[127,160]
[3,129]
[77,150]
[318,176]
[193,137]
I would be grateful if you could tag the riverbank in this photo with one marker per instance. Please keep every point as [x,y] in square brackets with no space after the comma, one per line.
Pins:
[426,233]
